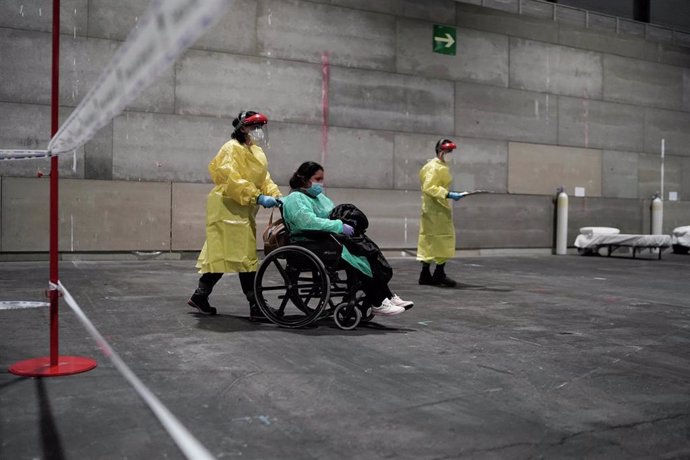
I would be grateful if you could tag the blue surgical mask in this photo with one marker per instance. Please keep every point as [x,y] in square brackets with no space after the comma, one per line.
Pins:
[315,190]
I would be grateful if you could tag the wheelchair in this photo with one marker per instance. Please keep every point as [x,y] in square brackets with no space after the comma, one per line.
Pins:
[306,281]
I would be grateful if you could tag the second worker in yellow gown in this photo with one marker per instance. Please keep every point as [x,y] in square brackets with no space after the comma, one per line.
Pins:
[436,242]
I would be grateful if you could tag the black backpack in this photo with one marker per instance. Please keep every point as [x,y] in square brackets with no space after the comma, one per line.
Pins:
[352,216]
[360,244]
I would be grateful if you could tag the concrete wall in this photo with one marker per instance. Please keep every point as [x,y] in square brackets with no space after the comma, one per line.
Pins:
[163,216]
[94,215]
[533,103]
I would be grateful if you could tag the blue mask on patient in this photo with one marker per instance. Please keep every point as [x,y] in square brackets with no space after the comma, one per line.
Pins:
[315,190]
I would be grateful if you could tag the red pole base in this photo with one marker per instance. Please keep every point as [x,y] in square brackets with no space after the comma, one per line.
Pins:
[40,367]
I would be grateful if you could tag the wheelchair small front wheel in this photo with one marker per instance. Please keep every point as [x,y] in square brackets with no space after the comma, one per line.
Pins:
[346,316]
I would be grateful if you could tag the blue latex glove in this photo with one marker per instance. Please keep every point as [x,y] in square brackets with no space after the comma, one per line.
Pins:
[456,195]
[267,201]
[348,229]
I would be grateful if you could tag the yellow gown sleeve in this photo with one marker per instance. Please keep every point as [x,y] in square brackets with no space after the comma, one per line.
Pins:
[431,186]
[229,173]
[270,188]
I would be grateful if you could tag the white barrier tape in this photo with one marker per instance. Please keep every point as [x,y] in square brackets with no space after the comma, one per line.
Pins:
[20,304]
[24,154]
[187,443]
[166,30]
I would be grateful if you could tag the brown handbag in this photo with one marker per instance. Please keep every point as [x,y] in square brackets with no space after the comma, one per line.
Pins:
[275,235]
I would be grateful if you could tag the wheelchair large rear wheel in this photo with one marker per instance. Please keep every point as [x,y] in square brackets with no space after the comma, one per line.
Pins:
[292,287]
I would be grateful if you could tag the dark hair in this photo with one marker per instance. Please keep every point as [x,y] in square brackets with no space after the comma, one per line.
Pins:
[438,144]
[305,172]
[237,134]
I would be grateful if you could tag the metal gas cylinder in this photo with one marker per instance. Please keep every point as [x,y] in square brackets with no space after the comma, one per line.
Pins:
[657,215]
[562,222]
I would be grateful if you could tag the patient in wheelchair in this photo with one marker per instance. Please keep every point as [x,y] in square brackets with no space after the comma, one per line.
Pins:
[307,209]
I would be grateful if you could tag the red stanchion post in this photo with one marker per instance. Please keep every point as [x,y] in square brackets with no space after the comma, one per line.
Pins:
[54,188]
[54,365]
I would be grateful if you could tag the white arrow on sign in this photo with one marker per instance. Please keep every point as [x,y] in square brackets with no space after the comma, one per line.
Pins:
[448,40]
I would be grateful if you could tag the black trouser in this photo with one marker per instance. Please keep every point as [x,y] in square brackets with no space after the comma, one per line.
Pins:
[376,291]
[209,280]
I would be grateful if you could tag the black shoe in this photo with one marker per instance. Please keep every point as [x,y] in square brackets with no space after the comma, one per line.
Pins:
[444,281]
[201,303]
[256,315]
[425,278]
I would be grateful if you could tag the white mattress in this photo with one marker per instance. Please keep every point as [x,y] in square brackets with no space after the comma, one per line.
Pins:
[681,236]
[599,230]
[636,241]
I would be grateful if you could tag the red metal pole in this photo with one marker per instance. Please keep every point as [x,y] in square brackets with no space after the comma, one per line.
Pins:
[54,215]
[54,365]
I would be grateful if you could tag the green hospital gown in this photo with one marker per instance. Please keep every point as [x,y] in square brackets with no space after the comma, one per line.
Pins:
[302,212]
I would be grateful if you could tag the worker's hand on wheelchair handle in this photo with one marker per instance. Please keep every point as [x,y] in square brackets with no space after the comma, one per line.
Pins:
[267,201]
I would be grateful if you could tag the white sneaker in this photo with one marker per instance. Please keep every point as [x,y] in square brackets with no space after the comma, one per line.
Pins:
[387,309]
[398,302]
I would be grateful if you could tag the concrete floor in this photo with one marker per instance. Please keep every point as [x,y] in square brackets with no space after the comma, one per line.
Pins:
[530,357]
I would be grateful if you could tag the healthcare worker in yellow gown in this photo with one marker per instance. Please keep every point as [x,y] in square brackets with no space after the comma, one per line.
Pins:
[436,242]
[242,184]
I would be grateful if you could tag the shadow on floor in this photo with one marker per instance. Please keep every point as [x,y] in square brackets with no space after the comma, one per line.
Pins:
[326,326]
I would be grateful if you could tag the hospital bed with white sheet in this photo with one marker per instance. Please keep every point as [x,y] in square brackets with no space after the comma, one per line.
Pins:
[680,239]
[592,239]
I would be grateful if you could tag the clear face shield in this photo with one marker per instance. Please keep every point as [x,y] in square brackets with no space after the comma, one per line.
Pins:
[444,155]
[259,136]
[444,150]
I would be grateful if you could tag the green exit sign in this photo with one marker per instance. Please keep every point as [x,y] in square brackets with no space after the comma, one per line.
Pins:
[444,40]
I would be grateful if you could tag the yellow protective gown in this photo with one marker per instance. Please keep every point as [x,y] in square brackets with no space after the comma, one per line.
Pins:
[436,231]
[240,173]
